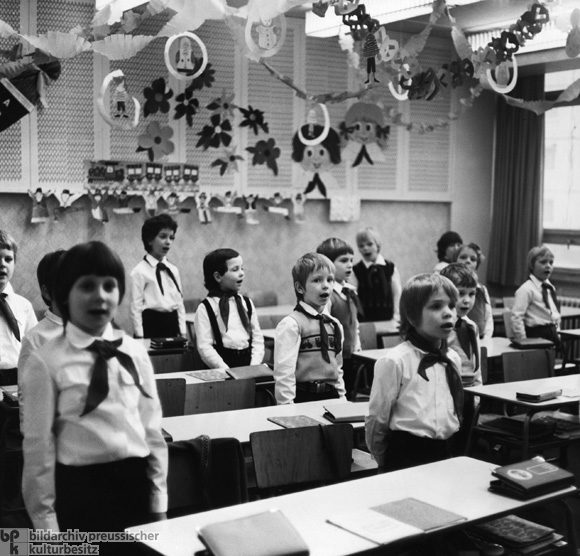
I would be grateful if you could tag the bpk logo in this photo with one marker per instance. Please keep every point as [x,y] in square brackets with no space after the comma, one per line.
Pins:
[13,542]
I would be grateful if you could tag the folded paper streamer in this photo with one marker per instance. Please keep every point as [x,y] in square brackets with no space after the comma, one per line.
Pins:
[265,534]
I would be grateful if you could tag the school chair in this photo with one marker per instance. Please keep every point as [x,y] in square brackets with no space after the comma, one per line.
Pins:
[390,341]
[204,474]
[507,323]
[483,363]
[171,395]
[368,340]
[225,395]
[191,304]
[264,378]
[528,364]
[300,458]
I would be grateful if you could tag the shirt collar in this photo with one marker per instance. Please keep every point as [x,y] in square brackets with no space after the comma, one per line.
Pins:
[49,315]
[538,283]
[81,340]
[153,261]
[380,261]
[311,311]
[8,290]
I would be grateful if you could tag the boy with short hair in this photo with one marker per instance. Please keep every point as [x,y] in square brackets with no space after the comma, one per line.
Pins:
[308,342]
[16,313]
[344,303]
[51,325]
[227,331]
[536,309]
[157,308]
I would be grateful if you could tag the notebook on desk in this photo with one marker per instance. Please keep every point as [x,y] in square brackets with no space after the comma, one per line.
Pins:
[530,478]
[260,373]
[348,412]
[532,343]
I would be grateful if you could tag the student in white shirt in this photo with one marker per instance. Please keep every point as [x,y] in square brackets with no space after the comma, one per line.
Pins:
[157,309]
[16,313]
[94,455]
[536,309]
[416,398]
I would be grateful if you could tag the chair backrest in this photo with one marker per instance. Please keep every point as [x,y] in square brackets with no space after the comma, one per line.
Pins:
[225,395]
[528,364]
[507,322]
[172,396]
[191,304]
[483,363]
[368,335]
[172,362]
[264,298]
[205,474]
[302,455]
[390,341]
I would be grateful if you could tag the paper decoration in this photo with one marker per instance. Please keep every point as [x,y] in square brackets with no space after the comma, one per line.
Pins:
[502,82]
[215,133]
[224,105]
[123,202]
[186,106]
[120,118]
[316,161]
[98,197]
[312,120]
[370,51]
[275,206]
[58,44]
[151,197]
[206,79]
[250,211]
[179,57]
[39,207]
[227,201]
[157,97]
[366,120]
[121,47]
[270,34]
[227,162]
[254,119]
[298,201]
[203,210]
[265,152]
[344,209]
[13,104]
[65,199]
[174,202]
[573,39]
[156,141]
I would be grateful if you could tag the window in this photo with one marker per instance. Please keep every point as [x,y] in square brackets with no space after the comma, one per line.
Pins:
[561,203]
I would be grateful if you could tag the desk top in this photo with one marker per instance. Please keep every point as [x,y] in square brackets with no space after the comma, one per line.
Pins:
[566,312]
[184,374]
[496,346]
[458,485]
[571,334]
[506,392]
[242,422]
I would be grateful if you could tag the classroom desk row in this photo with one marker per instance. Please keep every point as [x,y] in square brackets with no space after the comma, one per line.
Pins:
[458,485]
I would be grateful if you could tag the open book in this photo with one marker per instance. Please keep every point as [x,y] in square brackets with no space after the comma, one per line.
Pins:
[390,522]
[347,412]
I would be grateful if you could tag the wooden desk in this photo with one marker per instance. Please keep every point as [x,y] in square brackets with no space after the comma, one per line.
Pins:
[241,423]
[506,392]
[568,337]
[458,485]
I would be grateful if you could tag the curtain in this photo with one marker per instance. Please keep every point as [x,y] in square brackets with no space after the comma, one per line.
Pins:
[518,176]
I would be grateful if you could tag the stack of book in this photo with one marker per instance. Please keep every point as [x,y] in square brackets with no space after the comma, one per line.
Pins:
[514,427]
[177,342]
[517,536]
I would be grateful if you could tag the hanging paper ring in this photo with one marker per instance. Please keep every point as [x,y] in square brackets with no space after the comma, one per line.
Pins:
[105,113]
[269,52]
[505,88]
[398,95]
[184,76]
[322,136]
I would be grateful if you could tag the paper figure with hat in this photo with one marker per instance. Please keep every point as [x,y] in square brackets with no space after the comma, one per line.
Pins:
[98,197]
[202,200]
[65,200]
[275,206]
[250,202]
[39,206]
[367,138]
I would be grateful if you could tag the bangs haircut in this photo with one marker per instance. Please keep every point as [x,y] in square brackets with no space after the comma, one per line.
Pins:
[306,265]
[447,239]
[369,234]
[152,226]
[461,275]
[475,248]
[85,259]
[416,294]
[46,272]
[334,248]
[537,252]
[8,242]
[216,261]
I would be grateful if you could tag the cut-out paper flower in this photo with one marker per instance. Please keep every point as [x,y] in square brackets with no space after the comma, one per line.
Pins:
[254,118]
[186,106]
[206,79]
[157,97]
[215,134]
[156,140]
[223,105]
[265,152]
[227,162]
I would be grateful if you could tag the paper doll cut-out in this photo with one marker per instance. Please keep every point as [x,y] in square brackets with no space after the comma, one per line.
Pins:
[151,197]
[227,201]
[123,203]
[65,201]
[276,206]
[250,211]
[365,120]
[120,97]
[184,58]
[203,208]
[298,202]
[174,201]
[98,197]
[39,207]
[316,161]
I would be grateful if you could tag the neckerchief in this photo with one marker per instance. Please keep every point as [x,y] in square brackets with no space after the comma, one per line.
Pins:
[324,319]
